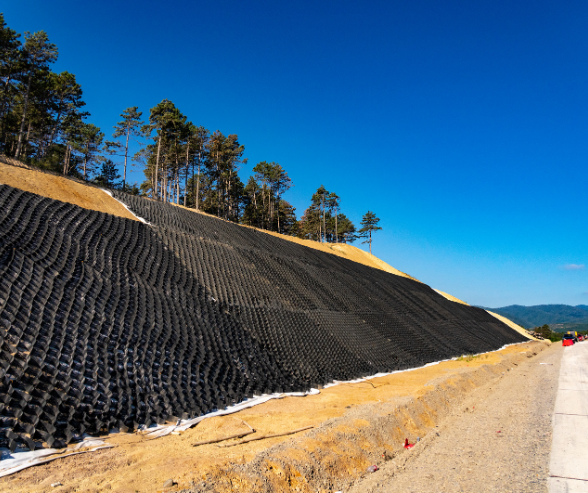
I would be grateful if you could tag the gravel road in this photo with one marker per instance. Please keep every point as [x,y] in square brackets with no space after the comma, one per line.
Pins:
[499,440]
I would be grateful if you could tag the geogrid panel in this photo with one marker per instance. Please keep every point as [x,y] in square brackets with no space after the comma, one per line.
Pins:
[110,323]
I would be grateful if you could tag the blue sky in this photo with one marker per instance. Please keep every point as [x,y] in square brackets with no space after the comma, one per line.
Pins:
[463,125]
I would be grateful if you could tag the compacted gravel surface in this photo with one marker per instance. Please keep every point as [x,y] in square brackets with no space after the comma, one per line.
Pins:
[499,440]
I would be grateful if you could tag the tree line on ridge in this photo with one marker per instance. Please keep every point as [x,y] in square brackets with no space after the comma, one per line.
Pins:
[43,123]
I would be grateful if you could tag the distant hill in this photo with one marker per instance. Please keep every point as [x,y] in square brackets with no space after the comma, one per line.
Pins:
[559,316]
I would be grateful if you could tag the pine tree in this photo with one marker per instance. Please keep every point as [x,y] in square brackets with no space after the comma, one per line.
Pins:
[38,52]
[129,127]
[369,223]
[89,144]
[10,67]
[108,175]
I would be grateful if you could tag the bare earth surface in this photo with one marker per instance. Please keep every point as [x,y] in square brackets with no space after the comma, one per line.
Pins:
[59,188]
[498,441]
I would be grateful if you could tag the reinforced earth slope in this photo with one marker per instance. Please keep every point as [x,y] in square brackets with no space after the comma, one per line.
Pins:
[109,323]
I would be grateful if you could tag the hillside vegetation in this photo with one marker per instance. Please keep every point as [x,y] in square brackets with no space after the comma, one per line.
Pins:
[535,316]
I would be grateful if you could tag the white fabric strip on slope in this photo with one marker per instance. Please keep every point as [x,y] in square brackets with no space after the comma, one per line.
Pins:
[125,206]
[11,463]
[21,460]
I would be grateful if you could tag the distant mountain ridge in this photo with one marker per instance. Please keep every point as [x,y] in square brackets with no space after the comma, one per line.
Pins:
[534,316]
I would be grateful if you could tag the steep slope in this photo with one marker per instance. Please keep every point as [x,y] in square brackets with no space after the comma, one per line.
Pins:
[349,252]
[108,322]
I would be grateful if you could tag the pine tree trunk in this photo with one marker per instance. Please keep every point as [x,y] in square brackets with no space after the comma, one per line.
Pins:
[230,198]
[157,167]
[164,177]
[66,160]
[218,188]
[178,187]
[54,129]
[279,215]
[263,222]
[198,188]
[126,153]
[177,178]
[24,116]
[27,140]
[324,220]
[187,168]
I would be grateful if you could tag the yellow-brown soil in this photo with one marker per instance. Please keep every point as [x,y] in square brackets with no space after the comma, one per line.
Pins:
[64,189]
[140,464]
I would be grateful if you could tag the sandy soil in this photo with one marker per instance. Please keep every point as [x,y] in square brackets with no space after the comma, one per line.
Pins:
[140,464]
[58,188]
[451,297]
[497,441]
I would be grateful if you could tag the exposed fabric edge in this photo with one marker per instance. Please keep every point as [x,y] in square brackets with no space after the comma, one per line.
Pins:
[11,463]
[21,460]
[125,206]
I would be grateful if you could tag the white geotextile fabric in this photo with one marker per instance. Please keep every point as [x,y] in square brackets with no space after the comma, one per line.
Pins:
[17,461]
[182,425]
[125,206]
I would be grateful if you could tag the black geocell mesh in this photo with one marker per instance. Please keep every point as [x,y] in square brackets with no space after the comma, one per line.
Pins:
[110,323]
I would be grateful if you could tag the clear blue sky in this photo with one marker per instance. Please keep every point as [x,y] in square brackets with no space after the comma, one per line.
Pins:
[463,125]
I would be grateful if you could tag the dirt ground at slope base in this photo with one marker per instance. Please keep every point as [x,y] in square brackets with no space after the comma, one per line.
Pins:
[497,441]
[354,425]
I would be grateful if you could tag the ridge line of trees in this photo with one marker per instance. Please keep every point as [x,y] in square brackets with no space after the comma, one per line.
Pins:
[42,123]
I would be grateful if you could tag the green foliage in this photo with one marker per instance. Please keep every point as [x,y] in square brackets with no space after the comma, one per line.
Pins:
[42,122]
[532,316]
[369,224]
[108,175]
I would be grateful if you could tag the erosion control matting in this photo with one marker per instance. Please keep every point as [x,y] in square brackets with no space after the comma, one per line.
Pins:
[110,323]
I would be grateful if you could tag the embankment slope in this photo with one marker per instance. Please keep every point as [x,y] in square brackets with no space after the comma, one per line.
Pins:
[111,323]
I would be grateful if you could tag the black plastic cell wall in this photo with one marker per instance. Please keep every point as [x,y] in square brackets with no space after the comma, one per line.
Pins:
[109,323]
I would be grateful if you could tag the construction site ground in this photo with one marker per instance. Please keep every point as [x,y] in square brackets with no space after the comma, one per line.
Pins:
[498,440]
[355,426]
